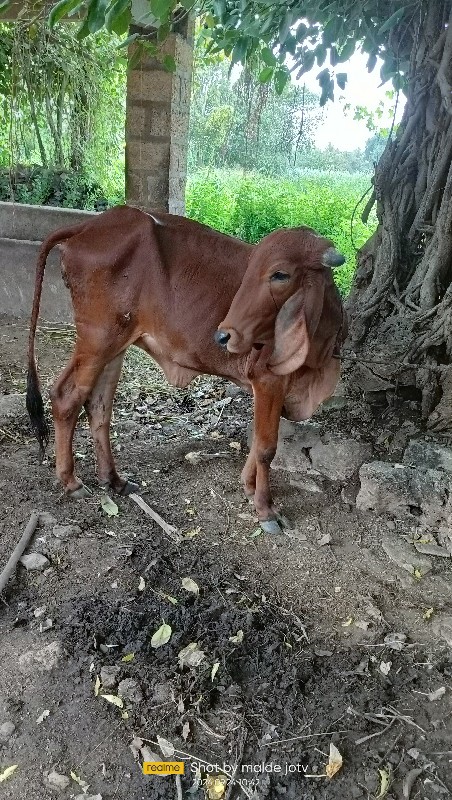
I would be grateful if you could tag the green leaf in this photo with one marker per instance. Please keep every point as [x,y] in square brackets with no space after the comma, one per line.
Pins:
[347,50]
[371,62]
[266,74]
[63,8]
[330,30]
[284,28]
[169,63]
[122,23]
[132,38]
[4,4]
[308,63]
[239,51]
[341,80]
[109,506]
[161,8]
[96,15]
[114,12]
[280,78]
[301,32]
[219,9]
[320,54]
[268,57]
[393,20]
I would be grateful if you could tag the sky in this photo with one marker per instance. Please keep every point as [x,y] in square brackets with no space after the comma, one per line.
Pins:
[362,88]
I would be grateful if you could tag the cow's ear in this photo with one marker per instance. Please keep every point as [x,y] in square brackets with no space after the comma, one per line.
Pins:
[296,325]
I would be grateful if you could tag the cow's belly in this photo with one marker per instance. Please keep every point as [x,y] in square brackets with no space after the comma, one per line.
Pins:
[175,374]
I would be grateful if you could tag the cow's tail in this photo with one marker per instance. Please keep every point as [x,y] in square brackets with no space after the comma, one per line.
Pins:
[35,405]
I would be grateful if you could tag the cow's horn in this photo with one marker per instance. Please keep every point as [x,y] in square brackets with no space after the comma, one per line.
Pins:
[332,258]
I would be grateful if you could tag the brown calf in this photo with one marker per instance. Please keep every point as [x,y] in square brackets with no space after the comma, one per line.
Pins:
[165,284]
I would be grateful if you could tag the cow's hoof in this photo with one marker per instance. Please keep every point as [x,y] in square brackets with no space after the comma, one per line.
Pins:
[270,526]
[129,488]
[81,493]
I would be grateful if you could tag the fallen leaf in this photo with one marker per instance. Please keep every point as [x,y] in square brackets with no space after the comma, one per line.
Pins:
[166,747]
[347,622]
[362,624]
[42,716]
[235,445]
[385,667]
[238,638]
[96,686]
[190,586]
[334,761]
[185,731]
[124,715]
[83,784]
[128,657]
[384,784]
[215,786]
[436,694]
[192,533]
[191,656]
[161,636]
[417,573]
[396,641]
[109,506]
[8,772]
[215,669]
[112,698]
[141,584]
[428,613]
[257,532]
[325,539]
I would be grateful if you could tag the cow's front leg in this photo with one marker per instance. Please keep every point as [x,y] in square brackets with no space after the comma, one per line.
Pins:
[268,402]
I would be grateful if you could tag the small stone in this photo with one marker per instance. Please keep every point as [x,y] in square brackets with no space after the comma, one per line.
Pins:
[442,627]
[339,459]
[66,531]
[88,797]
[12,406]
[40,611]
[405,556]
[45,518]
[42,660]
[130,690]
[58,781]
[109,676]
[432,550]
[232,390]
[306,485]
[6,731]
[34,562]
[420,453]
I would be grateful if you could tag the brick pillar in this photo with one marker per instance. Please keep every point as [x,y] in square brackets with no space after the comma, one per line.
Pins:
[157,116]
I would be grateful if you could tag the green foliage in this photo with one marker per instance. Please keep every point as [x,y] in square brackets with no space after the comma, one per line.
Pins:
[301,34]
[48,187]
[252,206]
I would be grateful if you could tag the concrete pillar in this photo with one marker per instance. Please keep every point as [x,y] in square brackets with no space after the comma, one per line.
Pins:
[157,117]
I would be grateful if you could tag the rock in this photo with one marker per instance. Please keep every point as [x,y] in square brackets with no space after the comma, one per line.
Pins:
[335,403]
[432,550]
[42,660]
[405,556]
[58,781]
[45,518]
[161,693]
[12,406]
[442,627]
[129,689]
[339,459]
[420,453]
[306,485]
[294,439]
[66,531]
[232,390]
[400,490]
[34,562]
[109,676]
[6,731]
[368,381]
[88,797]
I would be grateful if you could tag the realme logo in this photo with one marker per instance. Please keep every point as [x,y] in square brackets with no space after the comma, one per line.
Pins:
[163,768]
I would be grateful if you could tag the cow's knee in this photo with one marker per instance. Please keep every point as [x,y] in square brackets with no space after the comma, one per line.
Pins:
[266,456]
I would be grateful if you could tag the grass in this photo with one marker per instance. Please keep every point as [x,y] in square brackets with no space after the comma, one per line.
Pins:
[251,206]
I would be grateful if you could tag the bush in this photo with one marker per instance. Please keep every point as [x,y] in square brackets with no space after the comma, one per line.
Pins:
[50,187]
[252,206]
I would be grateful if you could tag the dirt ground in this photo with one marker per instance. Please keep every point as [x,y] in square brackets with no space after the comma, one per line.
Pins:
[297,638]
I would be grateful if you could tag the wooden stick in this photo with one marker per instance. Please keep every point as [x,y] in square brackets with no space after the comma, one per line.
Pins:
[18,550]
[170,530]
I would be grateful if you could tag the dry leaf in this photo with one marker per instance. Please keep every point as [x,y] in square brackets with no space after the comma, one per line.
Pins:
[83,784]
[190,586]
[192,533]
[128,657]
[96,686]
[325,539]
[235,445]
[384,784]
[334,762]
[428,613]
[436,694]
[161,636]
[42,716]
[7,772]
[166,747]
[124,715]
[238,638]
[215,786]
[112,698]
[141,584]
[109,506]
[191,656]
[215,669]
[347,622]
[385,667]
[185,731]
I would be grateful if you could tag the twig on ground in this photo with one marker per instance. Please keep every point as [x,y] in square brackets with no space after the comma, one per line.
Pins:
[18,550]
[170,530]
[179,795]
[377,733]
[237,764]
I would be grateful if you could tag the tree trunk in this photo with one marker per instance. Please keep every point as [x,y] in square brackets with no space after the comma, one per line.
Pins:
[400,306]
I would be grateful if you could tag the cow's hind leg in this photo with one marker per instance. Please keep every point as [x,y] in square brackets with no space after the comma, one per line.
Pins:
[68,395]
[99,409]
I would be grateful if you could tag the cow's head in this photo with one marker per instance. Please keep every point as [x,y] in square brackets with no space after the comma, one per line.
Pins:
[280,299]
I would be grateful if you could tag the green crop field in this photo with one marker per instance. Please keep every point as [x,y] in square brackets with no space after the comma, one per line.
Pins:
[251,206]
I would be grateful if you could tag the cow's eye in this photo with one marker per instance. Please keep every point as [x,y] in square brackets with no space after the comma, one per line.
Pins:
[280,276]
